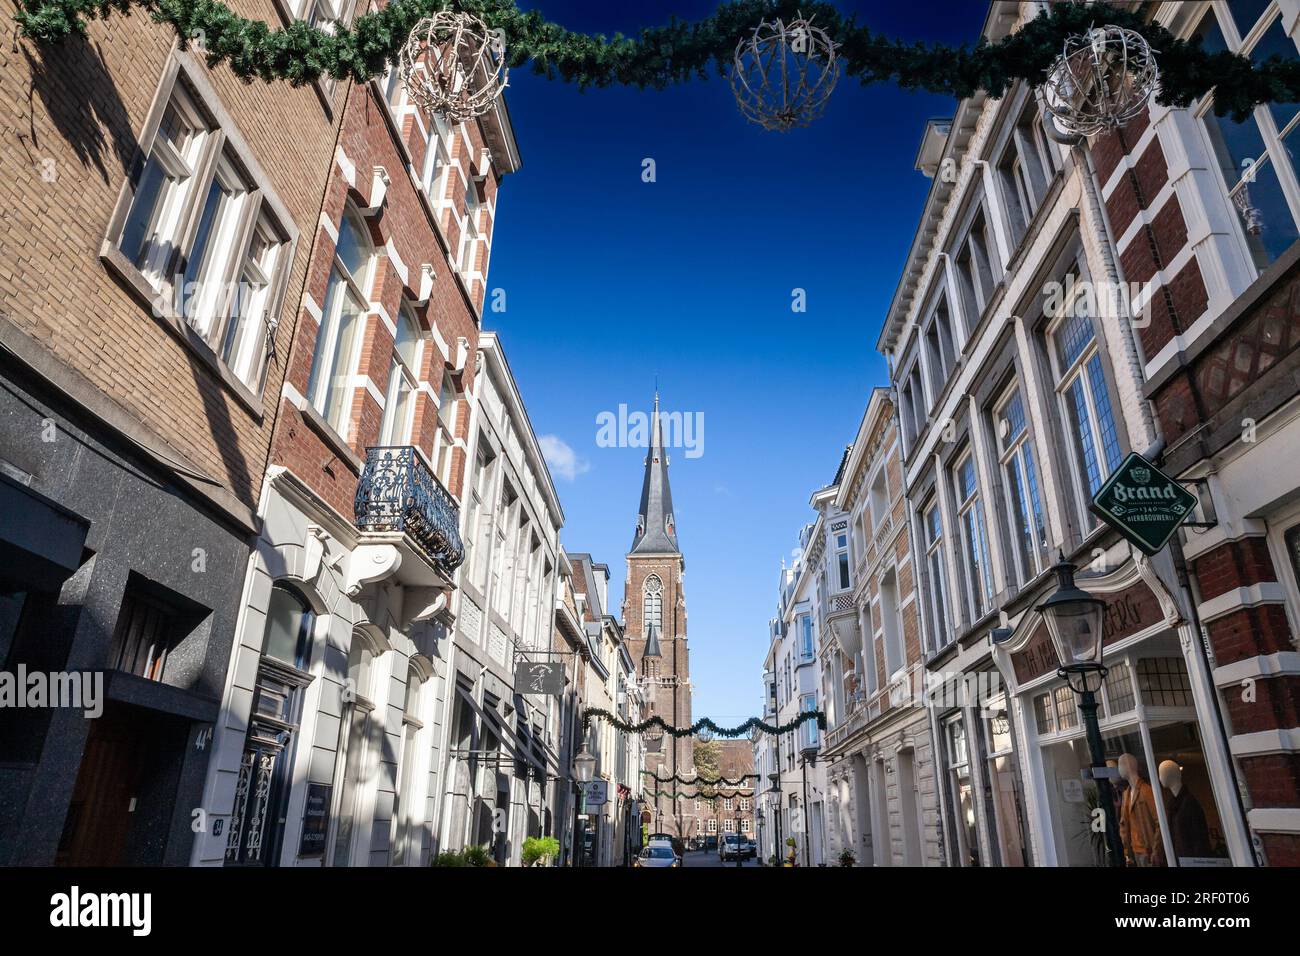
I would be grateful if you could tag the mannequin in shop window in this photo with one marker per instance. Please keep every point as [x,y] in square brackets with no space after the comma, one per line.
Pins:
[1139,827]
[1187,827]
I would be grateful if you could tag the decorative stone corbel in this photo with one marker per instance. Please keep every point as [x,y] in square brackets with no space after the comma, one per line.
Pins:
[421,604]
[425,291]
[370,563]
[313,551]
[378,192]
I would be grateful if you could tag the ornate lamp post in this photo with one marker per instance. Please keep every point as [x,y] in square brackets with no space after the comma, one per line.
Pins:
[584,768]
[1074,622]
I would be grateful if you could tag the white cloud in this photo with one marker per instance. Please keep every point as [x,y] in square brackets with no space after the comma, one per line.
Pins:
[561,459]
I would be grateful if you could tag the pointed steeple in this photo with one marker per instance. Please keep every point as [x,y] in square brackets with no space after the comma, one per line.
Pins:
[651,643]
[656,527]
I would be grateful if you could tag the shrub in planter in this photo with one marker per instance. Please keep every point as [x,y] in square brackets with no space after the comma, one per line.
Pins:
[540,850]
[847,858]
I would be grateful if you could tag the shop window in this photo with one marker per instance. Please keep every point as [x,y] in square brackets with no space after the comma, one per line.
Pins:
[1003,794]
[404,804]
[1119,688]
[1067,717]
[1164,682]
[1044,714]
[962,792]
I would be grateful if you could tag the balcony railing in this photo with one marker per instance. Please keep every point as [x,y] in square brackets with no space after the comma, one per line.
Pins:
[398,492]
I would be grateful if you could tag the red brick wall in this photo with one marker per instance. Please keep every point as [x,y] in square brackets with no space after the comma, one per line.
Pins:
[82,104]
[368,140]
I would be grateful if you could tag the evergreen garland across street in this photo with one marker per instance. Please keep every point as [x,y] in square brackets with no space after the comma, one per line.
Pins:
[698,781]
[596,713]
[659,56]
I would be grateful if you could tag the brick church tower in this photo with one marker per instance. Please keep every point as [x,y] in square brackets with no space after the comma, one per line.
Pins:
[654,622]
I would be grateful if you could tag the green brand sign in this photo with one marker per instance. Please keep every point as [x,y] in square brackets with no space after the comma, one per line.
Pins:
[1143,503]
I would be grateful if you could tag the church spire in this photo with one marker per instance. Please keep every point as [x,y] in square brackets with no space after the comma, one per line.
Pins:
[656,528]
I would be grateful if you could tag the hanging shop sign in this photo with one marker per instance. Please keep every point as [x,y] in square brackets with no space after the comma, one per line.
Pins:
[543,678]
[595,793]
[1143,504]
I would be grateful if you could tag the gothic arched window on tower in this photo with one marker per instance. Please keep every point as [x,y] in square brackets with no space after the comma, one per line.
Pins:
[653,605]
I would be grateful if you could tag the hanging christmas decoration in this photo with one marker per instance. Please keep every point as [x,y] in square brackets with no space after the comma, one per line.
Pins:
[679,51]
[1102,79]
[782,75]
[705,735]
[703,781]
[453,64]
[720,795]
[656,722]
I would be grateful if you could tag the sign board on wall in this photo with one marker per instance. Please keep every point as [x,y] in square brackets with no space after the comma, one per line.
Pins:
[1143,503]
[315,820]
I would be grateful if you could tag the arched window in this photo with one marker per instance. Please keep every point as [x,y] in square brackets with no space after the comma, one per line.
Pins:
[653,605]
[329,388]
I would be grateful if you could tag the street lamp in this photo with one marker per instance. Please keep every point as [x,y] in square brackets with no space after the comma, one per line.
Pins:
[1074,622]
[584,765]
[807,755]
[775,794]
[584,768]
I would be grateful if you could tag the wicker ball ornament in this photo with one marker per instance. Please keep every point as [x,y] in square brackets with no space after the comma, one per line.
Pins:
[1101,80]
[454,64]
[783,73]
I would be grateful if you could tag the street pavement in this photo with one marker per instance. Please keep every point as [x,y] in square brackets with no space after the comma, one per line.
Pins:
[703,858]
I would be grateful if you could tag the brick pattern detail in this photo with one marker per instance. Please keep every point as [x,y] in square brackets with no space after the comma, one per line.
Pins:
[1281,849]
[1276,705]
[1236,564]
[1273,780]
[1249,632]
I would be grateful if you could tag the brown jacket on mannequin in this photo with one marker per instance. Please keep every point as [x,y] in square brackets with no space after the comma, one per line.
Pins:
[1139,827]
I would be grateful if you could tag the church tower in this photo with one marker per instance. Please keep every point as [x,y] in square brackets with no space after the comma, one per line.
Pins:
[654,624]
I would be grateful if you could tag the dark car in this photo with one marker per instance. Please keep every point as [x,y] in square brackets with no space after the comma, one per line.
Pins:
[711,843]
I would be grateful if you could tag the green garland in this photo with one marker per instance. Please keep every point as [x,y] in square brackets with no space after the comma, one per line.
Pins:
[618,723]
[701,781]
[695,796]
[662,55]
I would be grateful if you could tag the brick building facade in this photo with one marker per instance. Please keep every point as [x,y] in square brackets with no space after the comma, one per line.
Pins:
[154,244]
[370,519]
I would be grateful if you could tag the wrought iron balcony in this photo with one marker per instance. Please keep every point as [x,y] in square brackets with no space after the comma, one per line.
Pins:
[398,492]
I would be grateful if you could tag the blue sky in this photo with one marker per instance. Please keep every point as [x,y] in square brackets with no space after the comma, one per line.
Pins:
[611,282]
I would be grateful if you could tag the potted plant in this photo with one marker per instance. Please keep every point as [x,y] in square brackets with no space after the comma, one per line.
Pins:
[539,851]
[847,858]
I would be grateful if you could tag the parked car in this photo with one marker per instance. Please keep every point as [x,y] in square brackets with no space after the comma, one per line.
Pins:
[736,847]
[658,856]
[710,843]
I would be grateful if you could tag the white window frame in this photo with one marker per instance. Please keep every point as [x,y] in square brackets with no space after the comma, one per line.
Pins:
[391,431]
[1064,378]
[1274,139]
[936,575]
[975,557]
[1016,456]
[356,287]
[231,285]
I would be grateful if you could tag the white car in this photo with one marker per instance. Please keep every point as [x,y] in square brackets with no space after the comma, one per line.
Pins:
[658,856]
